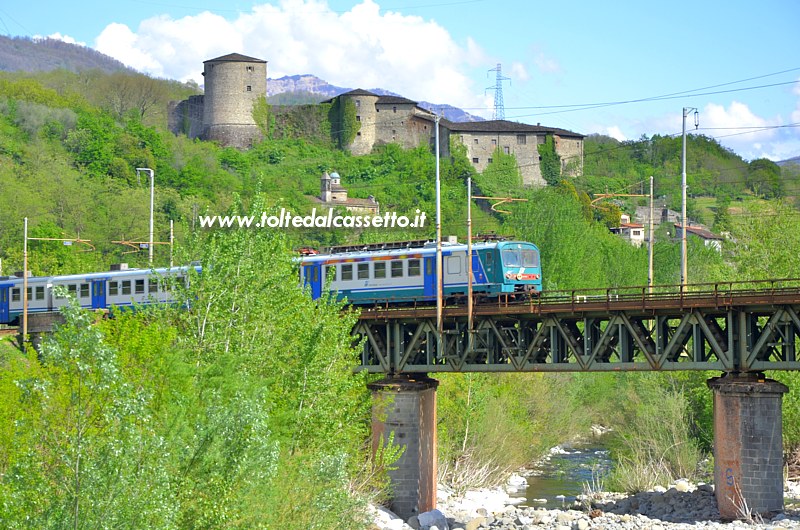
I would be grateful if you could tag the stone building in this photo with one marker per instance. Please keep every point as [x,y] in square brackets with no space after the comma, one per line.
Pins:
[232,84]
[394,119]
[484,138]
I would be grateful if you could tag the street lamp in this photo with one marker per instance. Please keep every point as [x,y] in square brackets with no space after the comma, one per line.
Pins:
[152,193]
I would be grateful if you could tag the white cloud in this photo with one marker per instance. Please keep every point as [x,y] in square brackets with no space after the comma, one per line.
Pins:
[546,64]
[360,48]
[518,72]
[616,133]
[59,36]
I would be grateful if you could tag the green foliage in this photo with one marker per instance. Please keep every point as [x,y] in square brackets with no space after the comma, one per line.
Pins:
[764,178]
[262,115]
[500,178]
[550,164]
[653,443]
[344,126]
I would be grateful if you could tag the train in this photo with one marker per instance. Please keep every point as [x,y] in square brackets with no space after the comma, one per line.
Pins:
[403,273]
[98,290]
[385,273]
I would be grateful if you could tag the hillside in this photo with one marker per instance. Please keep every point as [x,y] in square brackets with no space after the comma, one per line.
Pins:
[29,55]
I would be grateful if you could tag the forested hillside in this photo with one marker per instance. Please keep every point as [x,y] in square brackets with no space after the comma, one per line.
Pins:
[243,411]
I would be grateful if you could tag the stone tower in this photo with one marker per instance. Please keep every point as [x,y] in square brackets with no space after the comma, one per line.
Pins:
[233,83]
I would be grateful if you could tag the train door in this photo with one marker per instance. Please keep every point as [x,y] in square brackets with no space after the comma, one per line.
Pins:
[4,303]
[98,294]
[314,280]
[429,277]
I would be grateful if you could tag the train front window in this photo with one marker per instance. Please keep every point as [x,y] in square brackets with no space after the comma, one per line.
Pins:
[530,258]
[511,258]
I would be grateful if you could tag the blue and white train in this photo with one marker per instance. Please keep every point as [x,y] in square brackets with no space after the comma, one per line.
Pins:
[98,290]
[402,275]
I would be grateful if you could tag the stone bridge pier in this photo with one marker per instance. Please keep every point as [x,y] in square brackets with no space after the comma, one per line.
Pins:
[406,406]
[748,449]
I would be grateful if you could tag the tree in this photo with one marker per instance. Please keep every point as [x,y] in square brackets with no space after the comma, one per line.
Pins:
[764,178]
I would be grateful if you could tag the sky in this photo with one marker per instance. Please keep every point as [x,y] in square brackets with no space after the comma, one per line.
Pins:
[623,69]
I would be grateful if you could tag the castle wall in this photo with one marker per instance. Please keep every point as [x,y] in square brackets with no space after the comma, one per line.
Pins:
[186,117]
[571,152]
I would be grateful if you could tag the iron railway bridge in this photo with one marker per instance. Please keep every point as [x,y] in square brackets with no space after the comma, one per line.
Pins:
[730,327]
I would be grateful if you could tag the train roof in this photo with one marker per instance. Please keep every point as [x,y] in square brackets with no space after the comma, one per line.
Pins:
[425,250]
[93,275]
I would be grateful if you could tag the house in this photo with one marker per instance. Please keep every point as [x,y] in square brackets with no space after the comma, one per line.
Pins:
[633,232]
[707,237]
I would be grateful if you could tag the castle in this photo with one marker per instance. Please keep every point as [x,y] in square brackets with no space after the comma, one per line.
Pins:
[234,82]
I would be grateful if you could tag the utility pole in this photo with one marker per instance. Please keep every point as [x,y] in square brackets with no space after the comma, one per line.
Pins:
[499,107]
[152,194]
[684,277]
[25,285]
[650,249]
[439,294]
[469,258]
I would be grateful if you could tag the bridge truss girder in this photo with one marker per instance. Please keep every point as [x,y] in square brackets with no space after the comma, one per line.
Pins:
[722,339]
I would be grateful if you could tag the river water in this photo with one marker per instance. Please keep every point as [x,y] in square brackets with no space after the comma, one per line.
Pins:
[559,479]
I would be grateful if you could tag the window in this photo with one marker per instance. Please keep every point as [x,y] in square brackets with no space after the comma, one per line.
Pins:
[511,258]
[358,103]
[126,287]
[358,117]
[40,292]
[152,285]
[72,289]
[494,142]
[636,233]
[530,258]
[453,265]
[380,269]
[28,294]
[490,160]
[330,272]
[363,271]
[347,272]
[522,139]
[475,141]
[394,109]
[249,88]
[15,294]
[413,267]
[358,133]
[84,290]
[506,149]
[113,288]
[476,160]
[249,68]
[139,289]
[397,269]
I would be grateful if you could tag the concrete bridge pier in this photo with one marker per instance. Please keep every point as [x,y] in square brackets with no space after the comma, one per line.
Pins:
[406,406]
[748,451]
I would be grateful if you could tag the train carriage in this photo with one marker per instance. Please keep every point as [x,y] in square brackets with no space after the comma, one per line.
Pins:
[391,275]
[100,290]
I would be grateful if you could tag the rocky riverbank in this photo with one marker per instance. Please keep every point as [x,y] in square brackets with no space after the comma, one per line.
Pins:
[680,506]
